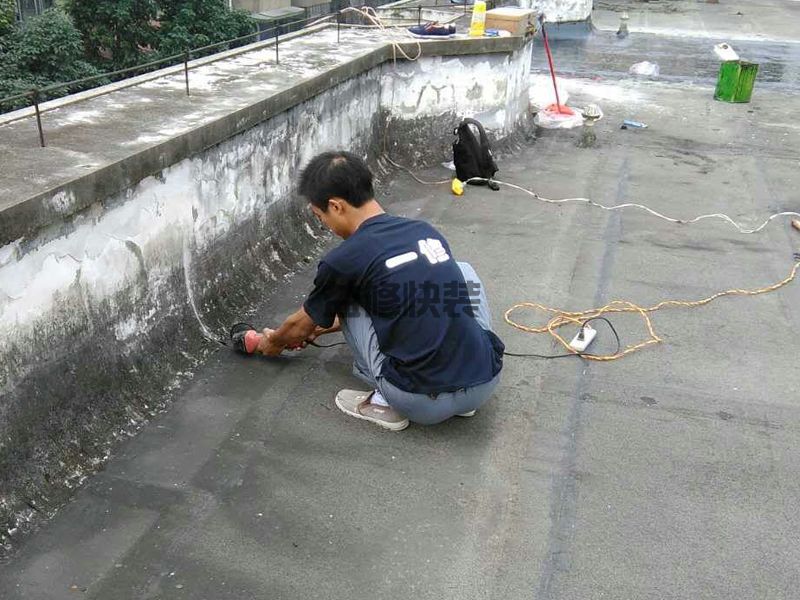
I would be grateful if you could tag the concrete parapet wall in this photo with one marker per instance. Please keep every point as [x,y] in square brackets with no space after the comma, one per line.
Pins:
[432,95]
[98,292]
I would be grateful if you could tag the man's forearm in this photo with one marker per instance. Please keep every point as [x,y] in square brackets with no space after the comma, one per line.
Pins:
[318,331]
[294,330]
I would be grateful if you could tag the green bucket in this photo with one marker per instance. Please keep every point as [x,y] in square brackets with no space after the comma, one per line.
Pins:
[736,80]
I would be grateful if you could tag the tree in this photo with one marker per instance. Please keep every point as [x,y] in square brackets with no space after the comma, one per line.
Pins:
[46,49]
[116,33]
[189,24]
[81,38]
[6,16]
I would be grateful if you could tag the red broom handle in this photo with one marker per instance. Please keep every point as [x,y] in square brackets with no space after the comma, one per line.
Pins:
[552,69]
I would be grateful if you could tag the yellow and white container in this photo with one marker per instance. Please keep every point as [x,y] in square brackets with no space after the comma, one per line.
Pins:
[477,27]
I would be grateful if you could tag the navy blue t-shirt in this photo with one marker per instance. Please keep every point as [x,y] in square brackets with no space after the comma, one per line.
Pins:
[403,273]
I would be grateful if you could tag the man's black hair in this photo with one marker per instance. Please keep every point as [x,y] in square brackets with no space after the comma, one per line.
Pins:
[337,174]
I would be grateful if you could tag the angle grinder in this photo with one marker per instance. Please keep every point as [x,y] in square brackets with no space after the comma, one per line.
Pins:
[245,338]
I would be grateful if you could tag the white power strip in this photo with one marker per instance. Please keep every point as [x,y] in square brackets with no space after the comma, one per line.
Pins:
[583,338]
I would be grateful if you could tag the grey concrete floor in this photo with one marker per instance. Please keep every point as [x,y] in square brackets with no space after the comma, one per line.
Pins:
[732,20]
[670,474]
[682,60]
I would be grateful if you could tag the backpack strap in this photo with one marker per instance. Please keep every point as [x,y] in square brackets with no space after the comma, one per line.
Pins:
[487,165]
[481,131]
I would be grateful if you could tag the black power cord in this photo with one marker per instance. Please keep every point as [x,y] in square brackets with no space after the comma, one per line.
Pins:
[245,326]
[572,354]
[326,345]
[523,355]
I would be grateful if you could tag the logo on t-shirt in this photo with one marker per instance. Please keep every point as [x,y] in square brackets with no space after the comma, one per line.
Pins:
[433,250]
[401,259]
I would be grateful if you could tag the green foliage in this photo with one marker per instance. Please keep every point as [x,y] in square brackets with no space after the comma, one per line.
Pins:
[196,23]
[47,49]
[123,33]
[81,38]
[6,16]
[116,33]
[49,46]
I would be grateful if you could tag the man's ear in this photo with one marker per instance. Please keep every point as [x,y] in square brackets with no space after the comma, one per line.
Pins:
[336,205]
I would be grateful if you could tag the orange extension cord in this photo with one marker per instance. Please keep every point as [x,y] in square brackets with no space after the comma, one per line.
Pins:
[562,317]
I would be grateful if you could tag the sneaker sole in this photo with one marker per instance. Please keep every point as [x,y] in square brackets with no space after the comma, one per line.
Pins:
[390,426]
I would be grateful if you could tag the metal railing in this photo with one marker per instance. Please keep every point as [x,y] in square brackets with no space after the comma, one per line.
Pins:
[38,95]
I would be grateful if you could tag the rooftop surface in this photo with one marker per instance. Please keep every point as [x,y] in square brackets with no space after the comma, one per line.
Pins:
[733,20]
[672,473]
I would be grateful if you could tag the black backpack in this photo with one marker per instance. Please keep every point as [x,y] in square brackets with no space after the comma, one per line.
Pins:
[472,155]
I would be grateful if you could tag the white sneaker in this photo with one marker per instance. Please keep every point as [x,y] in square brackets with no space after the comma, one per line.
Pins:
[467,414]
[356,404]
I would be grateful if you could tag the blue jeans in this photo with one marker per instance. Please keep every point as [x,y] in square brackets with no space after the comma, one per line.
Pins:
[424,409]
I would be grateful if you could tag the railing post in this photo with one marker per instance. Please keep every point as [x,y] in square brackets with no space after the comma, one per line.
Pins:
[35,98]
[186,70]
[338,27]
[419,15]
[277,41]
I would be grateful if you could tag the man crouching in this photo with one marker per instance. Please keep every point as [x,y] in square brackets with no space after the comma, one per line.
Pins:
[416,320]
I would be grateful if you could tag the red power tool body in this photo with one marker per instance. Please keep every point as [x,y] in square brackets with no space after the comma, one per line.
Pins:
[245,338]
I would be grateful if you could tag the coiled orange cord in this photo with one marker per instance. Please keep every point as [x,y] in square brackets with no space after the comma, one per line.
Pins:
[563,317]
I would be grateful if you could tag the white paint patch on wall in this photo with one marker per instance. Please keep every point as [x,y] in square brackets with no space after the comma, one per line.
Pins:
[132,326]
[8,253]
[517,91]
[560,11]
[438,86]
[491,86]
[95,255]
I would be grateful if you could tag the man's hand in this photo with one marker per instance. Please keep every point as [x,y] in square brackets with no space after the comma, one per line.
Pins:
[318,331]
[267,345]
[293,334]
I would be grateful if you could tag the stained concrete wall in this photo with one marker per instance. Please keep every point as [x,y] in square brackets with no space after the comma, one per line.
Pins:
[434,94]
[97,308]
